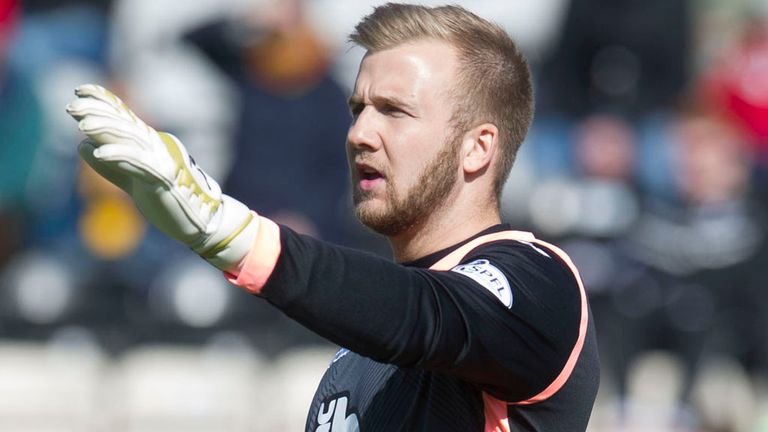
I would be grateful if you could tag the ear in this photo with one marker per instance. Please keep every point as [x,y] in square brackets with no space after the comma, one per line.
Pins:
[478,147]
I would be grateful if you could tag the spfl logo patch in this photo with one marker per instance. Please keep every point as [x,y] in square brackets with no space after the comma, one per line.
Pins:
[490,277]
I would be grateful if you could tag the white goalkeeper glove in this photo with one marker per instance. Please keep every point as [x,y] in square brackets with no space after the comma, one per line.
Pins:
[167,186]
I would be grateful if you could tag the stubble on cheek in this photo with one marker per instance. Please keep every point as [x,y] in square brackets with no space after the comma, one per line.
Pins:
[379,216]
[397,213]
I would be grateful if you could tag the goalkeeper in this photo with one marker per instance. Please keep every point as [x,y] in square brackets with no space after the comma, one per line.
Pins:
[475,327]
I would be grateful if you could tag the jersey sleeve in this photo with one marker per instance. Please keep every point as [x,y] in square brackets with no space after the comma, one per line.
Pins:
[509,337]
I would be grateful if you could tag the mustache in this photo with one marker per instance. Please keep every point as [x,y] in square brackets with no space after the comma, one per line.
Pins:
[362,158]
[368,161]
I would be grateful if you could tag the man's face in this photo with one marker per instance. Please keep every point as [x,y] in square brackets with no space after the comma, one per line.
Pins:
[403,152]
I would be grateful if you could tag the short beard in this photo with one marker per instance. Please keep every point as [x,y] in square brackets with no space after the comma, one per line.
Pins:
[422,198]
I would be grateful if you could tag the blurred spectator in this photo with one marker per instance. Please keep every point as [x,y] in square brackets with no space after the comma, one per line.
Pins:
[65,274]
[713,166]
[736,84]
[292,124]
[170,82]
[710,247]
[622,56]
[56,47]
[20,125]
[625,58]
[600,201]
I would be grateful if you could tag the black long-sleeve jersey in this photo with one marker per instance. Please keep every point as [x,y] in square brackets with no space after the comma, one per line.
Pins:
[491,334]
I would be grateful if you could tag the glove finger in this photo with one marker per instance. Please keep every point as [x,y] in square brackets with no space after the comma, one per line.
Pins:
[98,92]
[107,130]
[79,108]
[119,179]
[128,159]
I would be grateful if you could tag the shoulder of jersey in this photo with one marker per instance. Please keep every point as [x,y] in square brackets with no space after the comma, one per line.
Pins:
[490,277]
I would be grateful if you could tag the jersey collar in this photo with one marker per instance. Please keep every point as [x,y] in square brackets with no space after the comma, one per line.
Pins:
[428,260]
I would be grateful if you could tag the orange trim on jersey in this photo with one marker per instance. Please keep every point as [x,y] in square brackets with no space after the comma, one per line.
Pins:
[261,259]
[454,258]
[561,379]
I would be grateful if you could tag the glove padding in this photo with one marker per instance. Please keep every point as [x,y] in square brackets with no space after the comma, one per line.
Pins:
[167,186]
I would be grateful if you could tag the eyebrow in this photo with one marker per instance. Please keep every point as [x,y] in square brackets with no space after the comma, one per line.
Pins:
[356,101]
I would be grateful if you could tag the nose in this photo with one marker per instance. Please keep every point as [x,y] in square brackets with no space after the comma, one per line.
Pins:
[363,133]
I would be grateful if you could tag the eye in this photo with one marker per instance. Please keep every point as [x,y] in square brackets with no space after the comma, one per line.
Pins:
[356,109]
[392,111]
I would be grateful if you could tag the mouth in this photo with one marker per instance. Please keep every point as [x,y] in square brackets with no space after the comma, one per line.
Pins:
[367,172]
[369,177]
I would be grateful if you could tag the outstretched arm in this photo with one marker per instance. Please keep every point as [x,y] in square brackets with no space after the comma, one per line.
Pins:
[166,184]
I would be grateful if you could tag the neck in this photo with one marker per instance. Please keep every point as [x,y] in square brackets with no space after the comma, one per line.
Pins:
[445,226]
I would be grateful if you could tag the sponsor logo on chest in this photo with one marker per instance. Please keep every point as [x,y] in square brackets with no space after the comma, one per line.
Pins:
[333,416]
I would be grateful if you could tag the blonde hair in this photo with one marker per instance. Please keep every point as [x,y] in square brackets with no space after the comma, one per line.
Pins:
[494,82]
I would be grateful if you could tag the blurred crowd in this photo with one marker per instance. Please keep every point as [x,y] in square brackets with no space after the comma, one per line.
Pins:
[647,161]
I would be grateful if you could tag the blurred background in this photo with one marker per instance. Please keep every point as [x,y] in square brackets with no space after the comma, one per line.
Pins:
[647,162]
